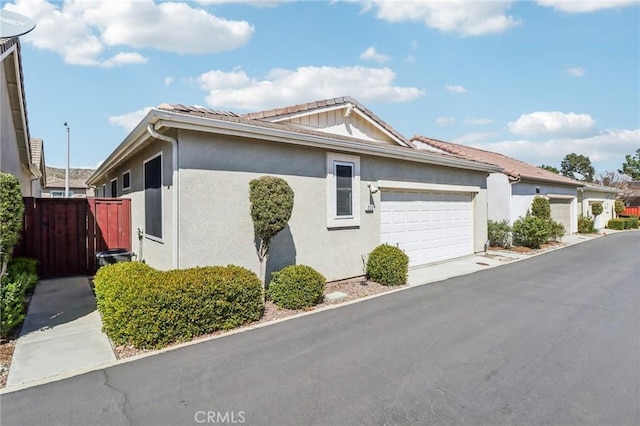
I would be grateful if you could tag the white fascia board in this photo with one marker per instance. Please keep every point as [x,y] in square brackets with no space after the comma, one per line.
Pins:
[432,187]
[561,196]
[211,125]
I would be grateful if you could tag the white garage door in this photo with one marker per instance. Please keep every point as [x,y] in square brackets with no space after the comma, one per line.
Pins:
[428,226]
[561,212]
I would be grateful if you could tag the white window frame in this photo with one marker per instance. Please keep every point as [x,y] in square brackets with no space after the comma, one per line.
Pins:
[57,193]
[333,220]
[144,201]
[104,189]
[128,187]
[111,188]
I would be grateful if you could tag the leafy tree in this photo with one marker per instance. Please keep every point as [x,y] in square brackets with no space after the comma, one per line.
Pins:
[618,207]
[541,208]
[631,166]
[271,206]
[596,208]
[577,163]
[611,178]
[11,216]
[550,168]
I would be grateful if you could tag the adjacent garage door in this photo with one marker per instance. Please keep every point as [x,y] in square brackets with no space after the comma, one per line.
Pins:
[561,212]
[428,226]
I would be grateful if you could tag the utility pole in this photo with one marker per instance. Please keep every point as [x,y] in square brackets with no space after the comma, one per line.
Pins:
[66,174]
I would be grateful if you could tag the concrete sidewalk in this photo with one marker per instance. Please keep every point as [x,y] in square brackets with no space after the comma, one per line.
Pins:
[61,333]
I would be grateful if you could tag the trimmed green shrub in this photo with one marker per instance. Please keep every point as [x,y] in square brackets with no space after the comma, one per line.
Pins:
[541,208]
[632,221]
[618,207]
[20,278]
[585,225]
[297,287]
[271,201]
[596,208]
[618,224]
[387,265]
[556,230]
[148,308]
[530,231]
[499,233]
[11,217]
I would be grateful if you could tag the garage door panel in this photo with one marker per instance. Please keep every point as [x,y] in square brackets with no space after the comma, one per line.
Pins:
[429,227]
[561,212]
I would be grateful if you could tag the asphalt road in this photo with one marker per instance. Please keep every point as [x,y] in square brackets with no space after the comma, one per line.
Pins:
[551,340]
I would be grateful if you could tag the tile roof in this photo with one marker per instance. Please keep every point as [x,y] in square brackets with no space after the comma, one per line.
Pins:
[36,151]
[60,183]
[316,105]
[513,168]
[243,119]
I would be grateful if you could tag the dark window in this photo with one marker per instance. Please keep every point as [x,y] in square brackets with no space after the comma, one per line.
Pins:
[537,189]
[126,180]
[104,190]
[344,189]
[153,197]
[114,188]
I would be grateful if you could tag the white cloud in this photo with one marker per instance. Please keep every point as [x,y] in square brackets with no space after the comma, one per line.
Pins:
[256,3]
[410,59]
[606,150]
[553,123]
[373,55]
[585,6]
[168,81]
[123,59]
[235,89]
[81,31]
[130,120]
[445,121]
[464,17]
[455,89]
[474,138]
[575,71]
[478,121]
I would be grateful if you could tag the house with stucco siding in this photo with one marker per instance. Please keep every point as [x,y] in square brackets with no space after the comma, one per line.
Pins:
[591,193]
[15,143]
[511,191]
[357,183]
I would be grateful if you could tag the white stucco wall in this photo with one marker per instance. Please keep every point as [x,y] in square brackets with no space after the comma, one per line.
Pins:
[524,192]
[216,226]
[499,197]
[587,197]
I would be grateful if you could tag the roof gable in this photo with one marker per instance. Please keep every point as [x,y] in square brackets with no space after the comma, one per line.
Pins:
[343,116]
[513,168]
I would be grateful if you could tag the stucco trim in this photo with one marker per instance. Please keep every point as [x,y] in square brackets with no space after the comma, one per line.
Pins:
[561,196]
[433,187]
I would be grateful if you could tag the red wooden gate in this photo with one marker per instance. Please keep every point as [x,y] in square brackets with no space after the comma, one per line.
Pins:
[64,234]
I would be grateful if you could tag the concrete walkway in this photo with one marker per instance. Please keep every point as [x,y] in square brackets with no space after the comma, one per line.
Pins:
[62,332]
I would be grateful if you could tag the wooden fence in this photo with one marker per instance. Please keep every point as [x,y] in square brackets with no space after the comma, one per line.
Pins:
[65,234]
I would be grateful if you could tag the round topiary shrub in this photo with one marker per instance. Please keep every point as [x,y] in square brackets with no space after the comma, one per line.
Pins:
[618,207]
[297,287]
[388,265]
[541,208]
[596,208]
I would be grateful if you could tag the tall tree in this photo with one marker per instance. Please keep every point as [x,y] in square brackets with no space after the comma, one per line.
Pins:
[631,166]
[573,164]
[550,168]
[611,178]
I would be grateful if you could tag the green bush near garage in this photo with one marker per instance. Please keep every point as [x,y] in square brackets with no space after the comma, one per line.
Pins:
[540,207]
[619,224]
[16,284]
[147,308]
[585,225]
[499,233]
[297,287]
[530,231]
[387,265]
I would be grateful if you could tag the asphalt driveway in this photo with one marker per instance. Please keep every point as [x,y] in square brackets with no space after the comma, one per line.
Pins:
[551,340]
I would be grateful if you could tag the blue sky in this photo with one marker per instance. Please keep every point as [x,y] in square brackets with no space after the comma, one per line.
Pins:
[535,80]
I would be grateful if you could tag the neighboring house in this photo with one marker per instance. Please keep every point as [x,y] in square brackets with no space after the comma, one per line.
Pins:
[631,193]
[591,193]
[15,150]
[56,188]
[357,183]
[511,192]
[37,158]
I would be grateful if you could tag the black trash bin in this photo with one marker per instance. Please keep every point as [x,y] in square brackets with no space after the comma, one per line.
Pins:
[115,255]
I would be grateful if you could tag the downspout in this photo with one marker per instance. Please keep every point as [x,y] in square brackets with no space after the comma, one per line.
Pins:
[581,201]
[176,192]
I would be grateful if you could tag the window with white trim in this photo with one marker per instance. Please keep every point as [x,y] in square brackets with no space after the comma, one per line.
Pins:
[104,190]
[343,190]
[126,180]
[114,187]
[153,197]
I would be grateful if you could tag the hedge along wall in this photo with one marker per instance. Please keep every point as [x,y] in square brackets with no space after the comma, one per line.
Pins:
[148,308]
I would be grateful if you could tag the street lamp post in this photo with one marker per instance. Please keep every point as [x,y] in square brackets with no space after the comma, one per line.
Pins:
[66,174]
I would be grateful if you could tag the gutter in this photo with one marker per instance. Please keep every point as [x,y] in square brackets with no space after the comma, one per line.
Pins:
[176,191]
